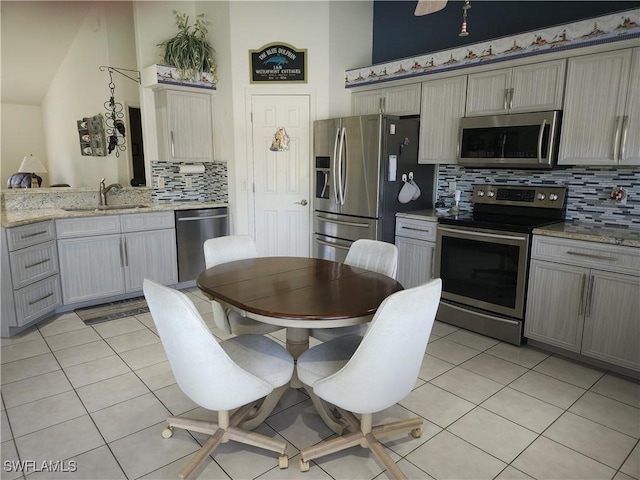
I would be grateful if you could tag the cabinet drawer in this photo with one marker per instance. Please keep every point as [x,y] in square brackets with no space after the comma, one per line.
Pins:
[32,234]
[87,226]
[139,222]
[587,254]
[35,300]
[419,229]
[34,263]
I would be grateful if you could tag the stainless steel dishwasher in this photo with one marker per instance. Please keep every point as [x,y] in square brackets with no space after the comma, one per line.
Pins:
[193,227]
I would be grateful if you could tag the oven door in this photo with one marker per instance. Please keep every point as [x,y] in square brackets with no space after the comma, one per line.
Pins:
[485,269]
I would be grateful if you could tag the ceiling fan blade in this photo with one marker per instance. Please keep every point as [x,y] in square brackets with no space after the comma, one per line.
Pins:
[425,7]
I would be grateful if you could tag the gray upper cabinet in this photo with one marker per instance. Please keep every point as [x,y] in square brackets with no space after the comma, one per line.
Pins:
[602,114]
[535,87]
[184,122]
[402,100]
[629,137]
[443,103]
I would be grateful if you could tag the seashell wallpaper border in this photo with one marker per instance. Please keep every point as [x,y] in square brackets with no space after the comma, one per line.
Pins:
[605,29]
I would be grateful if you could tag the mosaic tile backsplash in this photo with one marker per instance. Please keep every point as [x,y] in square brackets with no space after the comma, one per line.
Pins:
[588,189]
[210,186]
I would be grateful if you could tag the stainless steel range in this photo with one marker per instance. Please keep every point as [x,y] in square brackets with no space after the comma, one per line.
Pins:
[482,257]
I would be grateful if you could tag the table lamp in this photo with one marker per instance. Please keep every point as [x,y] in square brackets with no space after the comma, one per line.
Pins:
[33,165]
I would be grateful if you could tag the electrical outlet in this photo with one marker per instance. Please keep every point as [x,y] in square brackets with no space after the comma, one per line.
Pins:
[160,182]
[187,182]
[452,187]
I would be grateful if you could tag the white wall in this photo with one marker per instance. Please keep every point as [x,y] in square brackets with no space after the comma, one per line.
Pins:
[22,134]
[80,89]
[337,36]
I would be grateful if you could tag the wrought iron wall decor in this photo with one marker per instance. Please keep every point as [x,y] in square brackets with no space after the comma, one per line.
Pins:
[115,127]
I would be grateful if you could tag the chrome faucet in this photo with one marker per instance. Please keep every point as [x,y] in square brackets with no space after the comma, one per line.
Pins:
[104,190]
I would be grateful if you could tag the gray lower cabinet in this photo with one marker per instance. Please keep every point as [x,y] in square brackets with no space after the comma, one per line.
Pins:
[106,256]
[415,240]
[150,255]
[30,281]
[583,297]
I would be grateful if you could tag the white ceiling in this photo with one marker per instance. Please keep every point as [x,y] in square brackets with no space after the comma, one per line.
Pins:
[35,39]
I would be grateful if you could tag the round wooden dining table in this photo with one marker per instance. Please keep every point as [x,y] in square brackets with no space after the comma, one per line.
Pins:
[298,293]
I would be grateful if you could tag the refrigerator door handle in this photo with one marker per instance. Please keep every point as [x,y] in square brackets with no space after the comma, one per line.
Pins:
[335,165]
[342,177]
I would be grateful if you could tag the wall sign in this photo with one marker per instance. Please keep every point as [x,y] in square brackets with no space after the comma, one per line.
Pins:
[278,63]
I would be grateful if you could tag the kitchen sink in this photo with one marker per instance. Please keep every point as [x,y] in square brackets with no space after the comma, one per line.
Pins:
[103,207]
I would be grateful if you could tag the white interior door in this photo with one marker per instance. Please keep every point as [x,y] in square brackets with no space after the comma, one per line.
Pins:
[281,178]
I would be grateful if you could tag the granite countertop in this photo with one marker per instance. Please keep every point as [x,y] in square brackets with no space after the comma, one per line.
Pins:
[429,214]
[571,230]
[16,217]
[592,233]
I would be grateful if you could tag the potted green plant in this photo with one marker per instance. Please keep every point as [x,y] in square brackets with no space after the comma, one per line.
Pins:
[189,51]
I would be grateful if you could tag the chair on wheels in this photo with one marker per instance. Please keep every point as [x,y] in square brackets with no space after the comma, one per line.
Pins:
[228,249]
[369,374]
[374,255]
[233,374]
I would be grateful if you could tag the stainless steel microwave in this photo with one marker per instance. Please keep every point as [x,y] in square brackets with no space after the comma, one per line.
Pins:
[517,140]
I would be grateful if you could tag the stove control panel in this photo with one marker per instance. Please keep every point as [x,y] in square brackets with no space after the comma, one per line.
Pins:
[523,196]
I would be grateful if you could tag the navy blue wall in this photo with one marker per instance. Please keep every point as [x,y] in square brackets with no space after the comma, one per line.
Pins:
[397,33]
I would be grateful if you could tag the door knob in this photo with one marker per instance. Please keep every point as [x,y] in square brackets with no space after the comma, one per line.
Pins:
[303,202]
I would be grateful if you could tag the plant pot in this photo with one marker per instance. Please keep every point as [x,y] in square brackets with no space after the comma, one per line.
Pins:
[155,75]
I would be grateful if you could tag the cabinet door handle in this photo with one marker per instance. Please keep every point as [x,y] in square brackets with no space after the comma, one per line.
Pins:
[35,234]
[582,299]
[625,134]
[121,253]
[173,146]
[589,297]
[616,138]
[592,255]
[505,103]
[37,263]
[416,229]
[126,254]
[33,302]
[511,90]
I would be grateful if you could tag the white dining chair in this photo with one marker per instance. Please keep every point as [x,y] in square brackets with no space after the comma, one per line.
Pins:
[365,375]
[374,255]
[228,249]
[234,374]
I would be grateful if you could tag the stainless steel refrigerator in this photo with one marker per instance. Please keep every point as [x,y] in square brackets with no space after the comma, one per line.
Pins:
[359,167]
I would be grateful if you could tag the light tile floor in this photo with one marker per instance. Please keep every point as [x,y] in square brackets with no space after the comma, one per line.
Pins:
[95,399]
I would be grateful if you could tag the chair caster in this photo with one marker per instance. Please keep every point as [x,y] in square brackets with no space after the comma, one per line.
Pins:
[304,466]
[167,432]
[416,432]
[283,462]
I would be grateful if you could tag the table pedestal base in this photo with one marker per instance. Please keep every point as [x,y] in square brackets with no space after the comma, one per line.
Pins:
[297,341]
